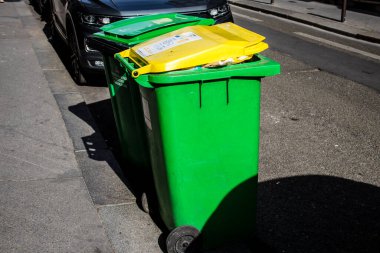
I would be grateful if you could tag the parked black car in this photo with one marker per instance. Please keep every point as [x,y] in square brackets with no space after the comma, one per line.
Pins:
[75,20]
[42,7]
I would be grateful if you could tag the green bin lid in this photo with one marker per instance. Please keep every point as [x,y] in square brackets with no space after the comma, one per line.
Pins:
[139,29]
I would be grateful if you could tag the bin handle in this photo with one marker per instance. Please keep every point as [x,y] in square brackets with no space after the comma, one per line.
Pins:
[136,72]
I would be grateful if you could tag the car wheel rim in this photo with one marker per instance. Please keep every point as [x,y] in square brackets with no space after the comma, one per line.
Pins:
[74,60]
[75,65]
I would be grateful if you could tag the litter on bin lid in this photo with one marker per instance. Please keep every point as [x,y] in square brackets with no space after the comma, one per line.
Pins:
[226,62]
[195,46]
[138,29]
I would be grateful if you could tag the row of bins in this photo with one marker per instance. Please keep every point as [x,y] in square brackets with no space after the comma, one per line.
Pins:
[186,99]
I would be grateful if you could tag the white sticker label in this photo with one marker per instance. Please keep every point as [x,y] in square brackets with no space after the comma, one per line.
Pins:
[168,43]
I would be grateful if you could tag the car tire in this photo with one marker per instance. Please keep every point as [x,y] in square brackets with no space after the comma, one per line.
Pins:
[52,36]
[76,69]
[36,5]
[45,10]
[180,239]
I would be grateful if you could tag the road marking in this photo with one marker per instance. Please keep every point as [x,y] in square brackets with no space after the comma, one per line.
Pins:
[307,71]
[334,44]
[246,17]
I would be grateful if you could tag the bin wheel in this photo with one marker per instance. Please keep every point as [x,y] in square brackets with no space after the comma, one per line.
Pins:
[180,239]
[144,202]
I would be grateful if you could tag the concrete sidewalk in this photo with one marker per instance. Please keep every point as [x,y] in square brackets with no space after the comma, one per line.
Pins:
[61,188]
[44,203]
[324,16]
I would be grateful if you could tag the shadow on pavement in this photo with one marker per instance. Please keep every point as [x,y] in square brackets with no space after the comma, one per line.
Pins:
[94,144]
[305,214]
[102,121]
[319,214]
[99,117]
[233,223]
[103,115]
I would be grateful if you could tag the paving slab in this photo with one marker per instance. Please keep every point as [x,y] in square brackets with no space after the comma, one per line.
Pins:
[48,60]
[79,122]
[22,8]
[10,30]
[130,229]
[95,94]
[8,10]
[60,81]
[30,21]
[49,216]
[39,42]
[32,159]
[104,178]
[32,129]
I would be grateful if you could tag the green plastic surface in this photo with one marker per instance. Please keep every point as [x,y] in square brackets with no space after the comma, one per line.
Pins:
[139,29]
[203,130]
[127,109]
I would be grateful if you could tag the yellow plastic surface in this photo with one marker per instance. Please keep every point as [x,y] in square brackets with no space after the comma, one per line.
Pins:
[195,46]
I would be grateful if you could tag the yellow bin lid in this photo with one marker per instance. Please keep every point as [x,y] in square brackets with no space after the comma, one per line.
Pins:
[195,46]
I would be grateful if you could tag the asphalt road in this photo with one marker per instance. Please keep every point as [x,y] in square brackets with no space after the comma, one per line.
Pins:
[349,58]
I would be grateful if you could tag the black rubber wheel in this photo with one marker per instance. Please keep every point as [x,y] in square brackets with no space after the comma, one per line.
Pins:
[76,71]
[45,10]
[180,238]
[53,36]
[39,7]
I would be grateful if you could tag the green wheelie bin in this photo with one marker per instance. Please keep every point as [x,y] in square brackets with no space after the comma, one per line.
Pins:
[116,37]
[125,98]
[203,127]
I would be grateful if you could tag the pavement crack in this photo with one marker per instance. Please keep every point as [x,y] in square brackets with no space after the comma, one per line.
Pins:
[39,179]
[39,140]
[23,160]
